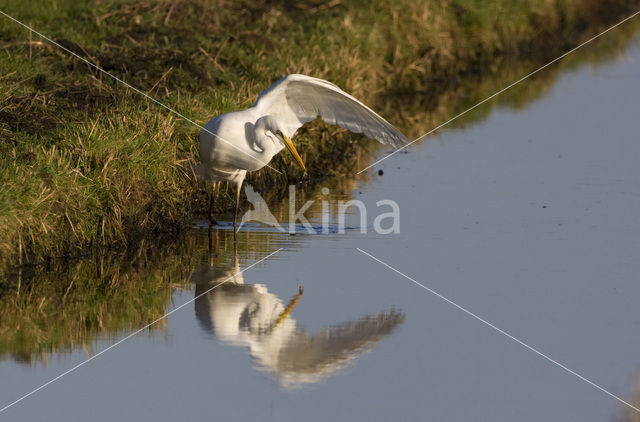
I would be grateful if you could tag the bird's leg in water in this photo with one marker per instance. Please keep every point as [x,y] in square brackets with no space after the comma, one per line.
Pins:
[212,241]
[235,215]
[212,220]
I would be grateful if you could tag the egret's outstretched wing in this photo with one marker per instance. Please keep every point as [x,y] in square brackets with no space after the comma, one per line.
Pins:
[297,99]
[324,352]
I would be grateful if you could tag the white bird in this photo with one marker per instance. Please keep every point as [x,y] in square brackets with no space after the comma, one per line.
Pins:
[233,143]
[250,316]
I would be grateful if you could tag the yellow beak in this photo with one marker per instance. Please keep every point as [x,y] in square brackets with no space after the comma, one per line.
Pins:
[292,150]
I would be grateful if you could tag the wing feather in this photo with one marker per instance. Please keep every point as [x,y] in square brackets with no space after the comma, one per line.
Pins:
[297,99]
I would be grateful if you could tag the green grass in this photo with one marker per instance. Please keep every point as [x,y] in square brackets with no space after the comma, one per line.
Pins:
[86,162]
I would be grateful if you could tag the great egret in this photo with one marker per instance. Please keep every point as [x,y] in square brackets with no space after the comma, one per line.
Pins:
[233,143]
[248,315]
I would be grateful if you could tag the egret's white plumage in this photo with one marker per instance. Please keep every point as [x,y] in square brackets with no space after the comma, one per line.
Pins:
[233,143]
[250,316]
[298,99]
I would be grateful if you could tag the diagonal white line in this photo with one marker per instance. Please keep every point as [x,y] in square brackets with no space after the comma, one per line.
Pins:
[134,333]
[150,98]
[501,91]
[520,342]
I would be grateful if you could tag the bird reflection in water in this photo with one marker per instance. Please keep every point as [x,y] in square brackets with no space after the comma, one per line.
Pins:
[248,315]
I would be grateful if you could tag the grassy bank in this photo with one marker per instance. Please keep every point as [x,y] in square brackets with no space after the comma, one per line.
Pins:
[86,162]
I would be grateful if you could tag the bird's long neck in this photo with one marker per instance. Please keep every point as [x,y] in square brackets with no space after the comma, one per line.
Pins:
[259,157]
[267,148]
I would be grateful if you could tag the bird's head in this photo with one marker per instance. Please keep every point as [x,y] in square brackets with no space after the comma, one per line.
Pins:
[271,128]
